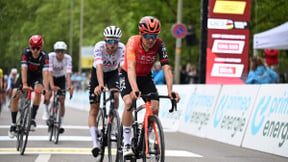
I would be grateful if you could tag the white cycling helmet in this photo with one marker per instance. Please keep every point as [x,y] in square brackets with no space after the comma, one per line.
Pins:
[60,45]
[112,31]
[14,71]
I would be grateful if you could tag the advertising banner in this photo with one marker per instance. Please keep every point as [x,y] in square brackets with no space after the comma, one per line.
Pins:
[232,112]
[199,110]
[268,126]
[87,58]
[228,42]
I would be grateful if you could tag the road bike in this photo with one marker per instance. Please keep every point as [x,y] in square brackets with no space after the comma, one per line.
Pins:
[53,121]
[148,141]
[109,128]
[23,123]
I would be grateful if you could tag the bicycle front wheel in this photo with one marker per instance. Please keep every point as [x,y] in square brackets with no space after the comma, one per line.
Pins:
[114,137]
[56,126]
[101,136]
[50,122]
[24,133]
[155,141]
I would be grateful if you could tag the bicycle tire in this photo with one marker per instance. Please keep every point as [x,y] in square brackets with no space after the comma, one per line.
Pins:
[102,140]
[26,127]
[51,123]
[114,125]
[155,140]
[57,123]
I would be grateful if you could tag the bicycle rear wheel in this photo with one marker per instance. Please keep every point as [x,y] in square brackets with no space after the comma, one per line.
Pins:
[56,126]
[155,141]
[101,137]
[25,129]
[114,137]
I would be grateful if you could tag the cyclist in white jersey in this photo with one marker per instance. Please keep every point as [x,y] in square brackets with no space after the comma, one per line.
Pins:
[60,68]
[108,56]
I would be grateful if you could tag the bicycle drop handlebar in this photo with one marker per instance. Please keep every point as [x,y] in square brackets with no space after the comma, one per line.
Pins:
[150,96]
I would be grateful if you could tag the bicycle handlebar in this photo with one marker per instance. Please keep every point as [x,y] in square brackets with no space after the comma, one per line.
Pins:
[150,96]
[21,90]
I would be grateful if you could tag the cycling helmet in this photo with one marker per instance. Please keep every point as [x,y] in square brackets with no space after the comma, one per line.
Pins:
[36,41]
[112,31]
[60,45]
[14,71]
[149,24]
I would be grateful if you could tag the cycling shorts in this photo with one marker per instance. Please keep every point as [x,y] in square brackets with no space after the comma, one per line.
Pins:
[31,81]
[61,83]
[111,79]
[145,84]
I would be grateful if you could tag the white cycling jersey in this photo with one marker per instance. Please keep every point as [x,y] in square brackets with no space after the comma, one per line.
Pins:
[60,68]
[110,61]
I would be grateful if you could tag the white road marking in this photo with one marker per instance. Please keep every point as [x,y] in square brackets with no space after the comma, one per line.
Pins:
[83,151]
[70,127]
[43,158]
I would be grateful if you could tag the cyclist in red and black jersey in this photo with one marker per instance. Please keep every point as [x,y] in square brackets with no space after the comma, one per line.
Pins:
[34,73]
[141,53]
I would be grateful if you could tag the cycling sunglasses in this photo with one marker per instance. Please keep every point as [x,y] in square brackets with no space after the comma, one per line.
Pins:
[110,41]
[35,48]
[60,51]
[148,36]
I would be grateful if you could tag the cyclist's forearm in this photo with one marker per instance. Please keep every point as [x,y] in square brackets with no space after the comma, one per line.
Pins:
[45,79]
[168,77]
[24,75]
[131,72]
[68,80]
[51,81]
[100,75]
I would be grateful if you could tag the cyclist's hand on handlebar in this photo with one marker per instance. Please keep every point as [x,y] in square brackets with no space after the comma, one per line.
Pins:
[174,96]
[55,88]
[98,90]
[133,94]
[70,89]
[26,88]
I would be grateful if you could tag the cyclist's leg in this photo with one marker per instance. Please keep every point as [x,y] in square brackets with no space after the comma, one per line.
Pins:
[36,102]
[14,111]
[112,80]
[93,112]
[127,116]
[45,115]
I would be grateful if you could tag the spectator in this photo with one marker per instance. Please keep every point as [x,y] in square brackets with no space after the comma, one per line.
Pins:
[158,74]
[259,73]
[271,58]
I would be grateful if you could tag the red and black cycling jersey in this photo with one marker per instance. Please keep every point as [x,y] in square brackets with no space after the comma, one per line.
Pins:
[144,60]
[35,65]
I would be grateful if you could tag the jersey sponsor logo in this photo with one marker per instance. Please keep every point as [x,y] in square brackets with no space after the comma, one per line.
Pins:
[146,59]
[33,67]
[108,62]
[47,61]
[24,58]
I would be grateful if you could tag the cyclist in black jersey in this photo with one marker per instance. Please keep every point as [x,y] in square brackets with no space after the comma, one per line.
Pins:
[34,73]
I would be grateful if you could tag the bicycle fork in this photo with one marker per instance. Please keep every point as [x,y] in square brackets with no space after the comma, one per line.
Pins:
[147,115]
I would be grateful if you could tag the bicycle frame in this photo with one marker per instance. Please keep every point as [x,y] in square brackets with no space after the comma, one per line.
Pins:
[138,134]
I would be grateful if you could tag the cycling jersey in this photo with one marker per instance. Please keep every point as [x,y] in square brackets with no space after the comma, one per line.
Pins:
[110,61]
[35,65]
[144,60]
[59,69]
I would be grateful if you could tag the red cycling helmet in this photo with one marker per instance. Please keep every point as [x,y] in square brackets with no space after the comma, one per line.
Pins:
[36,41]
[149,24]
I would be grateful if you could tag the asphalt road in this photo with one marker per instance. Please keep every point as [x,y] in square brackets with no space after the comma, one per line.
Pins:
[75,145]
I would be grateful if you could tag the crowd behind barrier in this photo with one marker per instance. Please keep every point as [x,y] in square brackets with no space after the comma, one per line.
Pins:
[248,116]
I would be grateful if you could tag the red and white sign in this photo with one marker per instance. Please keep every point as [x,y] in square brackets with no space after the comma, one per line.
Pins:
[227,70]
[228,41]
[228,46]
